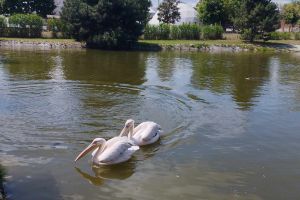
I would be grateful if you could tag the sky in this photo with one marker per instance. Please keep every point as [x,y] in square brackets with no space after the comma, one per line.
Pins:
[154,2]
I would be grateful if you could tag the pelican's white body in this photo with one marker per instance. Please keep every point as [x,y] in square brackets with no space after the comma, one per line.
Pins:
[146,133]
[116,150]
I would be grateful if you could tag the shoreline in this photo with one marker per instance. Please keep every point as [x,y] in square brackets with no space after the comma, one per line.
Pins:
[157,45]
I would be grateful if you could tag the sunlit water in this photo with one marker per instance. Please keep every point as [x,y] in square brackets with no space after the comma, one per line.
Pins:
[232,124]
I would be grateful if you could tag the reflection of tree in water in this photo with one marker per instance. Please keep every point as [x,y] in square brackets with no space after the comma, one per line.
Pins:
[289,74]
[2,173]
[29,65]
[241,75]
[105,66]
[166,65]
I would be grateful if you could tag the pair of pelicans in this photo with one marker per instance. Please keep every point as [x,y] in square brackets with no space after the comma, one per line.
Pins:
[120,149]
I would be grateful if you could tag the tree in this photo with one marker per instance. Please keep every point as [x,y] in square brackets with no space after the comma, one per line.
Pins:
[168,11]
[40,7]
[212,12]
[291,13]
[106,23]
[257,17]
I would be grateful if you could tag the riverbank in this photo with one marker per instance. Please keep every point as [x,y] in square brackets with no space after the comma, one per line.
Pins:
[40,43]
[158,45]
[224,45]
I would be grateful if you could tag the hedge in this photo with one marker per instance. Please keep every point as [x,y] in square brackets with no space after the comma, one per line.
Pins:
[284,36]
[23,25]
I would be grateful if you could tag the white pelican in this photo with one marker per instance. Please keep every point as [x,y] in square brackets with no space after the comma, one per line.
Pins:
[145,133]
[113,151]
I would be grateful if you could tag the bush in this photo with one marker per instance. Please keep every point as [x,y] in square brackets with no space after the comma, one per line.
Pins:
[26,21]
[24,25]
[297,36]
[280,36]
[2,22]
[112,24]
[212,32]
[57,27]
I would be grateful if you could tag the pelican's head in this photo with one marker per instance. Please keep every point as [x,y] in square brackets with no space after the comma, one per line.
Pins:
[95,144]
[129,125]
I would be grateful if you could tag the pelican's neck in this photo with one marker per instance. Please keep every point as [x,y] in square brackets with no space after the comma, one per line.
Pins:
[123,132]
[130,132]
[99,150]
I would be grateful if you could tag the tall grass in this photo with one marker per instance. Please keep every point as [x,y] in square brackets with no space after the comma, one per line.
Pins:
[182,32]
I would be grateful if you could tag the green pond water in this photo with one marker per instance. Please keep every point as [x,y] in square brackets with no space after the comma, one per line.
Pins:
[231,122]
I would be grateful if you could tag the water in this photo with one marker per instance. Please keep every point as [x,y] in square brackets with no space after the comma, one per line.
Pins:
[231,122]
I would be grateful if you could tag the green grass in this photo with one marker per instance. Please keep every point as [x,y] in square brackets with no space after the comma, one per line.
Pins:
[217,42]
[258,45]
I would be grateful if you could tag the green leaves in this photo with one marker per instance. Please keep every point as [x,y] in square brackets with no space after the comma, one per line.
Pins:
[106,23]
[291,12]
[26,21]
[168,11]
[256,18]
[212,12]
[40,7]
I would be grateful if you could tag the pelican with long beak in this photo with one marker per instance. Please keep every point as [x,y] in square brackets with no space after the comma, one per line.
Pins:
[144,134]
[113,151]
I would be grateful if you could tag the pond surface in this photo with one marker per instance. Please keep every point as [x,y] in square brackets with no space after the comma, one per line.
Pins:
[232,124]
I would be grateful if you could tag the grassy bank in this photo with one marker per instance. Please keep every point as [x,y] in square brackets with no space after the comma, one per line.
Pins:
[259,45]
[156,45]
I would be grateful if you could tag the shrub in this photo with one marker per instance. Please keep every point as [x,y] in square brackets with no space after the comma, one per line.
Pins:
[280,36]
[24,25]
[26,21]
[297,36]
[212,32]
[2,22]
[57,27]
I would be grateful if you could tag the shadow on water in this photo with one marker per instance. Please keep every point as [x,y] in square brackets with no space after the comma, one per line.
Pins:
[2,174]
[114,172]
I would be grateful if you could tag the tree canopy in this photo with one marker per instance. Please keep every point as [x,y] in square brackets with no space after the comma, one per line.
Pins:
[106,23]
[40,7]
[212,12]
[221,12]
[168,11]
[291,12]
[257,17]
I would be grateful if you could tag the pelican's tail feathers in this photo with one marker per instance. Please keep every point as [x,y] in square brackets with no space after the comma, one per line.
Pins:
[134,148]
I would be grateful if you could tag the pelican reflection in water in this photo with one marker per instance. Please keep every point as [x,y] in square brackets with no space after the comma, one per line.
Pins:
[115,172]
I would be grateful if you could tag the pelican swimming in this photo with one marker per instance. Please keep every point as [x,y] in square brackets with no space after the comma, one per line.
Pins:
[145,133]
[113,151]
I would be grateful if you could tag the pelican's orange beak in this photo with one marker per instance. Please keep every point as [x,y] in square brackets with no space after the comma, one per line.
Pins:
[86,151]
